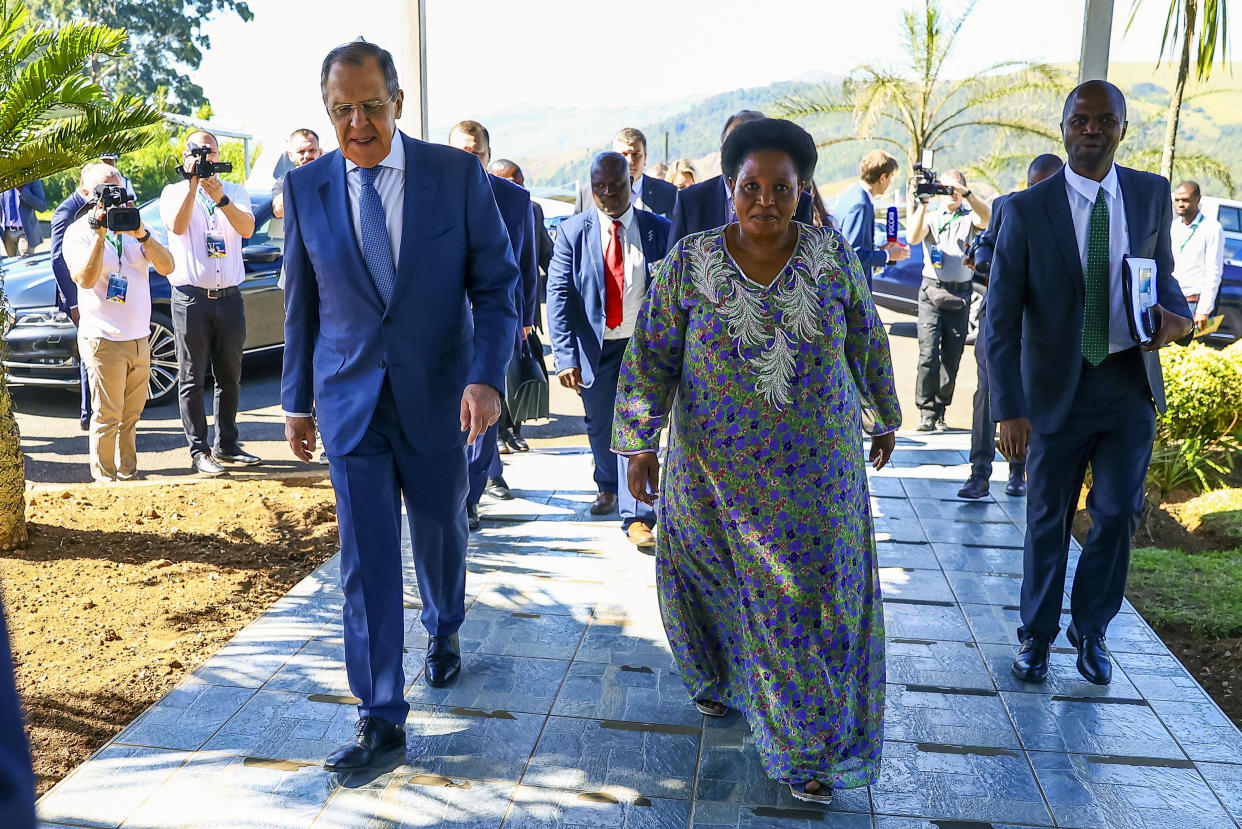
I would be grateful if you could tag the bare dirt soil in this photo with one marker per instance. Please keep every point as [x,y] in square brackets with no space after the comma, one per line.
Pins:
[124,589]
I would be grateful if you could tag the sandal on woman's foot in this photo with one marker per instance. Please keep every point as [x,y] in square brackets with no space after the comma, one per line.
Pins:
[711,708]
[821,793]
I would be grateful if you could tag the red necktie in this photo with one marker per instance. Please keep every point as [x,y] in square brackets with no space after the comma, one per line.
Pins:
[614,278]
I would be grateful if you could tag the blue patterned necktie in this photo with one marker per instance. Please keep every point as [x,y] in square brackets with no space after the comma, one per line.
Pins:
[1095,301]
[376,244]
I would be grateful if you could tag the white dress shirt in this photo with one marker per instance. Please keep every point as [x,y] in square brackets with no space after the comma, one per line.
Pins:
[191,264]
[636,193]
[1082,193]
[98,316]
[1199,259]
[390,184]
[633,265]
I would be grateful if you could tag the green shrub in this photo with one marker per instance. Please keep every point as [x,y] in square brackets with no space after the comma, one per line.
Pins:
[1195,463]
[1203,387]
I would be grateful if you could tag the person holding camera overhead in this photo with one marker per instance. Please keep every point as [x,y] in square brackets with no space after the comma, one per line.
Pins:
[944,297]
[208,220]
[107,250]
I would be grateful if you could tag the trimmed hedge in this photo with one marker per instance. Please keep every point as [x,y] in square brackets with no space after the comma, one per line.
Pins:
[1204,391]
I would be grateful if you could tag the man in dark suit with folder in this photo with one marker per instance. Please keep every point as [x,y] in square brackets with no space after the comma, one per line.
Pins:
[1070,384]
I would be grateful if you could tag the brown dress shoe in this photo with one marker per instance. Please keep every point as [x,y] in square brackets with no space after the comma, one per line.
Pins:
[642,537]
[604,503]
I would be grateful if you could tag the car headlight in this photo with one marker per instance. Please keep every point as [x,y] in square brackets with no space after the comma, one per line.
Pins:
[45,317]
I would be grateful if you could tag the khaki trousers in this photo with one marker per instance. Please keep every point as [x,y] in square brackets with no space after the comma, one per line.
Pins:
[119,372]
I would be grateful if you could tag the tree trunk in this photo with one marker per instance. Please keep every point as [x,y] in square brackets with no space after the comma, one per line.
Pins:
[12,475]
[1191,9]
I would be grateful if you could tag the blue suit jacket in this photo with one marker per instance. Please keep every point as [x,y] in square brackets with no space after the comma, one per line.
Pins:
[658,196]
[451,318]
[515,210]
[576,302]
[1036,293]
[32,198]
[857,216]
[703,206]
[62,217]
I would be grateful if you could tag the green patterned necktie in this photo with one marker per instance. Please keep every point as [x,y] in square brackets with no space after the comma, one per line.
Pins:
[1095,303]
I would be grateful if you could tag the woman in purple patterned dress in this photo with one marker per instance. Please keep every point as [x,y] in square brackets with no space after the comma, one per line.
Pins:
[765,335]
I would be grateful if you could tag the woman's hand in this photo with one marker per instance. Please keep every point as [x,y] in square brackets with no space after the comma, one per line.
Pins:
[644,477]
[882,447]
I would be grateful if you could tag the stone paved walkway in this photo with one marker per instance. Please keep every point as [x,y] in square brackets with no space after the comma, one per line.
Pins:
[569,712]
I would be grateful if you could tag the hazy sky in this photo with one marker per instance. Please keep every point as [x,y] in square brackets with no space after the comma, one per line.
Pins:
[487,55]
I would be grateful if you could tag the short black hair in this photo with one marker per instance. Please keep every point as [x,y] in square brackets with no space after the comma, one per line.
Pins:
[356,52]
[1094,86]
[740,117]
[770,134]
[1192,186]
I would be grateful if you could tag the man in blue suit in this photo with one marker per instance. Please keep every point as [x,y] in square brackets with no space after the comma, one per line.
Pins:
[600,269]
[709,204]
[646,192]
[399,323]
[486,472]
[857,211]
[1070,385]
[66,289]
[31,199]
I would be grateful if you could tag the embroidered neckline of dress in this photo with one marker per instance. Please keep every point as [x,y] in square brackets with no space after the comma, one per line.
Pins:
[795,292]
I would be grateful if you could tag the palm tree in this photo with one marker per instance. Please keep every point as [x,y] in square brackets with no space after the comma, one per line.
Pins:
[914,109]
[52,118]
[1180,23]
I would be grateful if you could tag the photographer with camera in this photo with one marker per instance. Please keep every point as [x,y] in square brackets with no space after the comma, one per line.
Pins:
[944,297]
[208,221]
[107,250]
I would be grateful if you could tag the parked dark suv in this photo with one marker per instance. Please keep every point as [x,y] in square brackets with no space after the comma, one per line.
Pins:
[42,341]
[896,287]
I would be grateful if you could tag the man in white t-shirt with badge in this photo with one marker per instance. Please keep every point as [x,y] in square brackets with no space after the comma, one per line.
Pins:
[208,221]
[114,323]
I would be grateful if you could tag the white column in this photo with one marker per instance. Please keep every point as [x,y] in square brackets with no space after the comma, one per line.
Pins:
[1097,33]
[411,57]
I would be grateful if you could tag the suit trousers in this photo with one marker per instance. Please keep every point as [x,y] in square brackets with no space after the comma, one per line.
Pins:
[942,338]
[120,371]
[1111,427]
[209,333]
[982,427]
[17,782]
[370,483]
[611,470]
[483,462]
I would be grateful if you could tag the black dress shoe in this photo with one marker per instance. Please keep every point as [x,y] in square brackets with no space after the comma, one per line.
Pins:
[1017,481]
[85,423]
[502,441]
[1093,661]
[498,489]
[373,738]
[206,465]
[976,486]
[239,457]
[506,437]
[472,517]
[443,660]
[1032,662]
[604,503]
[519,442]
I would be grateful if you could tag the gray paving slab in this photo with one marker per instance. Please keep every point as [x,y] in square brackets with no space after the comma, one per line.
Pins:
[570,711]
[1111,793]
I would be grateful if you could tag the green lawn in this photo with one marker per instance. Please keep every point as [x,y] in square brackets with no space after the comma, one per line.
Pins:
[1200,590]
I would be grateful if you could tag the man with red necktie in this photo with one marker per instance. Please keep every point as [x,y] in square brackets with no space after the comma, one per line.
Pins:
[601,268]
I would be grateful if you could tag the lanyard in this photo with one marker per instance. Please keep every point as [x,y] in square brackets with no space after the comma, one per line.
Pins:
[210,207]
[945,225]
[116,241]
[1193,227]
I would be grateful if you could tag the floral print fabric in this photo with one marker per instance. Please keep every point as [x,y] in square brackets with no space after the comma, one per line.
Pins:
[766,562]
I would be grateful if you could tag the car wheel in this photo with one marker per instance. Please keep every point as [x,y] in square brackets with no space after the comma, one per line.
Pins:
[162,387]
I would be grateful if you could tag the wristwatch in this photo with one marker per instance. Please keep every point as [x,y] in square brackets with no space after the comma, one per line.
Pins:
[223,201]
[966,195]
[142,240]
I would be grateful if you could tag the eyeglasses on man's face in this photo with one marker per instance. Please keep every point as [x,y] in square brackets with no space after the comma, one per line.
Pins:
[343,112]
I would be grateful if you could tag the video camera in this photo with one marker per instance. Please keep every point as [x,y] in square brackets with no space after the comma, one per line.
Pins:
[117,216]
[927,183]
[203,168]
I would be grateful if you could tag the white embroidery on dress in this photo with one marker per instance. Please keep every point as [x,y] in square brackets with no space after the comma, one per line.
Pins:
[796,293]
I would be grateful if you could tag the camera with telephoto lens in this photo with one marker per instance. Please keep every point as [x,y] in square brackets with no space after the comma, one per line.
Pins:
[203,168]
[117,215]
[927,183]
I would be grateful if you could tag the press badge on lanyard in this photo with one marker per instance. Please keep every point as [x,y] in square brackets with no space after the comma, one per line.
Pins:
[118,283]
[215,241]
